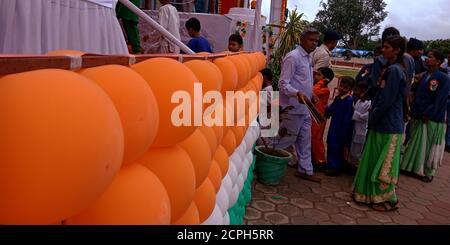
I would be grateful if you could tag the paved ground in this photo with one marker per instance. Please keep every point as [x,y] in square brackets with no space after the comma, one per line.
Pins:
[296,201]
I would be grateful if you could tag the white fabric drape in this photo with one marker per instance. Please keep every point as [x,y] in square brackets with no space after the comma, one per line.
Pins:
[39,26]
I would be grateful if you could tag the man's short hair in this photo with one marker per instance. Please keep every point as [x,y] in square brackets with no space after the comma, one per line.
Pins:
[414,44]
[193,23]
[332,36]
[309,30]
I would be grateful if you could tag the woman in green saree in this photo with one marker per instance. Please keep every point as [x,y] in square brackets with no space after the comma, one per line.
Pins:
[377,176]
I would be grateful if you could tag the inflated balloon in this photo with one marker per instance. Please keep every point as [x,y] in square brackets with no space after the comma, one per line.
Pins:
[248,68]
[218,132]
[229,142]
[197,147]
[215,175]
[232,172]
[135,197]
[222,199]
[226,219]
[190,217]
[61,145]
[215,218]
[234,195]
[238,134]
[205,199]
[221,157]
[262,60]
[240,182]
[228,185]
[210,135]
[241,68]
[229,74]
[207,74]
[135,102]
[254,63]
[165,77]
[238,162]
[174,168]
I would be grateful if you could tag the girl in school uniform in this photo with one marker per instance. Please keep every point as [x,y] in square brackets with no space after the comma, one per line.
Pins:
[425,150]
[377,175]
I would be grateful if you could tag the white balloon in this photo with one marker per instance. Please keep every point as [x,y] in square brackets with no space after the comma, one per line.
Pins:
[240,182]
[250,157]
[234,195]
[222,199]
[228,185]
[226,219]
[233,173]
[216,217]
[245,169]
[235,157]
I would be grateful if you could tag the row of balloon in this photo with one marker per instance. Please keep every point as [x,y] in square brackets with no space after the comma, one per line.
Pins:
[235,191]
[98,146]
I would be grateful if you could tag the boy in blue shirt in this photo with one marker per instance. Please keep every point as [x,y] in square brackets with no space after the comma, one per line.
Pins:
[197,43]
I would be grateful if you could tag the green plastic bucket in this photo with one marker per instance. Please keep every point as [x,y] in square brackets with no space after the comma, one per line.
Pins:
[270,169]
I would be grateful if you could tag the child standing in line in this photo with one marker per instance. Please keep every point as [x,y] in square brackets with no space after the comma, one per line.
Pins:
[360,122]
[322,78]
[340,132]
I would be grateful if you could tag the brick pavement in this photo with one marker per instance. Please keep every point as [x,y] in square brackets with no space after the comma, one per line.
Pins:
[296,201]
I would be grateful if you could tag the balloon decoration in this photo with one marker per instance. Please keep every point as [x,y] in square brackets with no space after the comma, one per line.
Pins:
[210,77]
[174,168]
[135,197]
[215,175]
[61,145]
[166,76]
[196,146]
[190,217]
[135,102]
[229,73]
[205,199]
[106,145]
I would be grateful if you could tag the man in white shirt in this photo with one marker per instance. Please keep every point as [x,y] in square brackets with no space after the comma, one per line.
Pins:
[322,55]
[170,20]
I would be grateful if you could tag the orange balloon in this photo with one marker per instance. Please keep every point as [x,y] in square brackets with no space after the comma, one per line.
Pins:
[205,199]
[65,52]
[248,66]
[166,76]
[135,102]
[221,157]
[215,175]
[207,74]
[229,142]
[61,145]
[218,131]
[229,73]
[135,197]
[197,147]
[174,168]
[241,69]
[262,60]
[253,62]
[238,134]
[210,135]
[190,217]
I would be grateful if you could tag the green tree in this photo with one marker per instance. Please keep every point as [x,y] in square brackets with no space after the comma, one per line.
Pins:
[357,20]
[442,45]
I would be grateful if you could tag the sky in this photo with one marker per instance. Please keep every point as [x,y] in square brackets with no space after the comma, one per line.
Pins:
[422,19]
